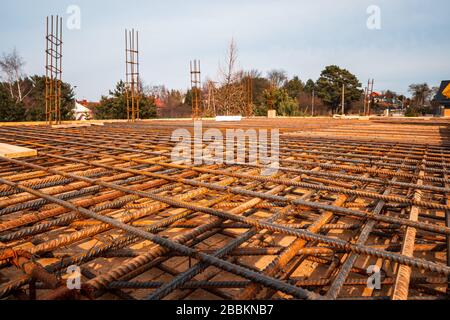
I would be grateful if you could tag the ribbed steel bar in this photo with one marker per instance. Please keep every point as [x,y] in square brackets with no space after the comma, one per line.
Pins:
[413,262]
[76,166]
[345,269]
[247,273]
[316,173]
[334,154]
[335,209]
[335,157]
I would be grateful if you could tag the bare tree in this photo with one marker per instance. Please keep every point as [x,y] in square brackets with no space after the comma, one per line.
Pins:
[277,78]
[421,93]
[158,91]
[228,70]
[11,65]
[254,73]
[230,96]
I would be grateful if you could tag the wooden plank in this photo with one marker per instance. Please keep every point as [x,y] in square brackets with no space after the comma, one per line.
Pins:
[68,126]
[12,151]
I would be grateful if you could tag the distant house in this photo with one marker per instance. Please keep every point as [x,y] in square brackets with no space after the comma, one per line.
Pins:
[387,104]
[376,94]
[83,111]
[159,103]
[442,98]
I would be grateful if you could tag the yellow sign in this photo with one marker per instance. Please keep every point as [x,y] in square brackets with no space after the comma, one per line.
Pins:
[446,91]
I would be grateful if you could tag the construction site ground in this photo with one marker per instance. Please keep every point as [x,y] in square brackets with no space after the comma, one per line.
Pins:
[350,197]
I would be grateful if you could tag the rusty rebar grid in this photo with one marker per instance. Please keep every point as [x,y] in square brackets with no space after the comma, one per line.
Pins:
[112,197]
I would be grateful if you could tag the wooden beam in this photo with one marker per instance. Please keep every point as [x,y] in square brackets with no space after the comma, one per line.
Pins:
[69,126]
[11,151]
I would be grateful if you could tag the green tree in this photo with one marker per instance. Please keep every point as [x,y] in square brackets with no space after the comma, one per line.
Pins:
[260,110]
[26,100]
[294,87]
[147,106]
[309,86]
[9,110]
[32,105]
[329,87]
[279,100]
[188,97]
[35,102]
[260,84]
[114,106]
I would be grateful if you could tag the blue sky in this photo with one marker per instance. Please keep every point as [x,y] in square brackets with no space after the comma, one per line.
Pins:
[301,37]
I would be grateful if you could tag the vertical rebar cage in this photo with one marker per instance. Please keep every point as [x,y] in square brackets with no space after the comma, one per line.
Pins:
[196,89]
[132,85]
[53,69]
[249,92]
[368,95]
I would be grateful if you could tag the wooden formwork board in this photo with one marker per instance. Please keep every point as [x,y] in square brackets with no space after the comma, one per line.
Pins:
[68,126]
[11,151]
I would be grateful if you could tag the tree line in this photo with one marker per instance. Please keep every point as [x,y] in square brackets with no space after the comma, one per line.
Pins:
[249,93]
[22,98]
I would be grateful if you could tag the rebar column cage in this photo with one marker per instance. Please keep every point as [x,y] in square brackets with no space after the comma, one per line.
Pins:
[196,89]
[211,100]
[249,95]
[53,70]
[132,85]
[368,96]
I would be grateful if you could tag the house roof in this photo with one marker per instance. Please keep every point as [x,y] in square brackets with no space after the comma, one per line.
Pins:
[443,95]
[79,108]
